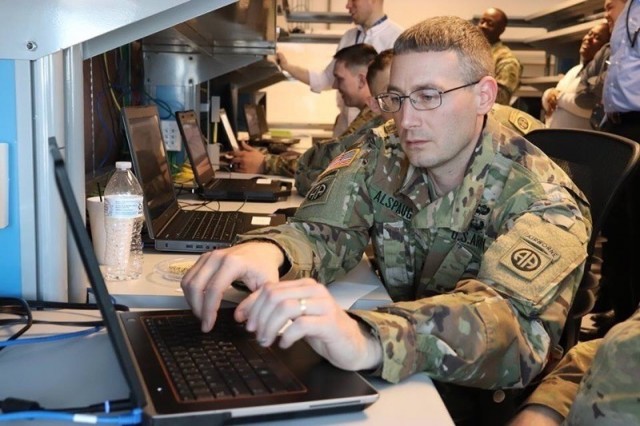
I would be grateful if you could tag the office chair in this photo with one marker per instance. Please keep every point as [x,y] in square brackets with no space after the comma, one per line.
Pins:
[599,164]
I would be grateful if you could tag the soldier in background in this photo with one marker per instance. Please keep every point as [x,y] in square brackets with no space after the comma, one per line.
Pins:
[597,382]
[350,79]
[508,69]
[480,239]
[316,159]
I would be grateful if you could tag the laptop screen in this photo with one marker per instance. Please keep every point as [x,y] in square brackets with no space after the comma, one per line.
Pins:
[92,268]
[253,124]
[229,130]
[197,151]
[142,125]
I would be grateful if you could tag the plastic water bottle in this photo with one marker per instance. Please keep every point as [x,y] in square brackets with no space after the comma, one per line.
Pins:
[123,223]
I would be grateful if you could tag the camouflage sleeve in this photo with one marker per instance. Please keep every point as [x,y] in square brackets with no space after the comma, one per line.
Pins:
[610,391]
[508,70]
[559,388]
[330,230]
[495,330]
[284,164]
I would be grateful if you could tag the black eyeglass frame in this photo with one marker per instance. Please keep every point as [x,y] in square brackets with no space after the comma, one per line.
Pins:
[401,98]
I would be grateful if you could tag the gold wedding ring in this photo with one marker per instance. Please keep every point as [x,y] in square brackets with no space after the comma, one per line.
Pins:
[303,306]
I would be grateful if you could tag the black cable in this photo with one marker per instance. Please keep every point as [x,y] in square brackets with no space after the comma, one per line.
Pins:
[13,405]
[19,307]
[22,309]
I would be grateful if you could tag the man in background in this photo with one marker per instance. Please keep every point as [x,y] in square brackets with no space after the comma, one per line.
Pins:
[372,26]
[315,160]
[508,69]
[350,79]
[559,103]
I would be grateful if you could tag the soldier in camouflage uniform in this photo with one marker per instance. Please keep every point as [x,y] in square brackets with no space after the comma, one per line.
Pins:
[596,383]
[508,69]
[481,239]
[350,71]
[317,158]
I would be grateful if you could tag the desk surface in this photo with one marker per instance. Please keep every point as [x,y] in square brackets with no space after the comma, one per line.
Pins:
[82,371]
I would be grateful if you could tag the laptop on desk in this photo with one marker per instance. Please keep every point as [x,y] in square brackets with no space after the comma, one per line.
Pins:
[171,227]
[212,188]
[210,378]
[258,128]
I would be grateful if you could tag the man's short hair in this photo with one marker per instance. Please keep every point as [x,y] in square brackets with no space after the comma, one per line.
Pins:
[380,63]
[356,56]
[443,33]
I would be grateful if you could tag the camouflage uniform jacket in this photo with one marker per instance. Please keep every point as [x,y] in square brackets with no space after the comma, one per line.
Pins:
[598,380]
[481,277]
[508,71]
[287,163]
[317,158]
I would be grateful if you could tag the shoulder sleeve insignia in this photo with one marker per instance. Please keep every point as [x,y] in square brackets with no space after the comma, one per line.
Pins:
[343,160]
[520,121]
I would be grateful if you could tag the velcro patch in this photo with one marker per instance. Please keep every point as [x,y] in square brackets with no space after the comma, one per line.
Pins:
[520,121]
[529,261]
[343,160]
[526,260]
[319,192]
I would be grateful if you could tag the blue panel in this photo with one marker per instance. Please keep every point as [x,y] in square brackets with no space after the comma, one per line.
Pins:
[10,281]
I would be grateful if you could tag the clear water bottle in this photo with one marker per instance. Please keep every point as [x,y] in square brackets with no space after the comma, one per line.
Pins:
[123,224]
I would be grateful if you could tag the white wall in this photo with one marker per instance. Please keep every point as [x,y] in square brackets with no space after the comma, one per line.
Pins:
[293,102]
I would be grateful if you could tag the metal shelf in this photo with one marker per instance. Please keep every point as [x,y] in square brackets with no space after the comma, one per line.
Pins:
[566,13]
[319,17]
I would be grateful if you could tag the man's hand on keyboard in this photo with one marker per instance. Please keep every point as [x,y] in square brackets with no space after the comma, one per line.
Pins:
[204,284]
[309,312]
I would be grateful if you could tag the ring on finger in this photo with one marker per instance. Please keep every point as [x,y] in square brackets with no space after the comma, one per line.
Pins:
[303,306]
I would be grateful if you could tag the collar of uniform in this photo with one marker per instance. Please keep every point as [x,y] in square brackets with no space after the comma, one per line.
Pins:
[445,212]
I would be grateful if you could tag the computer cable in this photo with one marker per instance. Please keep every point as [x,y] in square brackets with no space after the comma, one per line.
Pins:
[22,310]
[12,405]
[134,417]
[49,338]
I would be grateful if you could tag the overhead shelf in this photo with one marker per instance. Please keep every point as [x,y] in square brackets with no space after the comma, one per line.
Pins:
[566,13]
[319,17]
[285,37]
[549,41]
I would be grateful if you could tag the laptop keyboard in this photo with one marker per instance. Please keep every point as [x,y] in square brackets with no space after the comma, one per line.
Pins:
[208,226]
[206,366]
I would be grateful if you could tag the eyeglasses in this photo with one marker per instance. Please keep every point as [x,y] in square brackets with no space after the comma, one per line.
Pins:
[421,99]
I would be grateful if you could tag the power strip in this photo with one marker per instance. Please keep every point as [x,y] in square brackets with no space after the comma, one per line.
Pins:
[4,185]
[171,135]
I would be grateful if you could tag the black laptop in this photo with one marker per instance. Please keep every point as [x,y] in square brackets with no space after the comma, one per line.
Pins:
[171,227]
[212,188]
[179,375]
[258,129]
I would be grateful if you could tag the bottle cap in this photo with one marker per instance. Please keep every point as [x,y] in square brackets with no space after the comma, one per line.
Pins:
[123,165]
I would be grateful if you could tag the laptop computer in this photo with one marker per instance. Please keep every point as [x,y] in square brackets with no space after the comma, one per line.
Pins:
[258,129]
[171,227]
[228,130]
[292,382]
[212,188]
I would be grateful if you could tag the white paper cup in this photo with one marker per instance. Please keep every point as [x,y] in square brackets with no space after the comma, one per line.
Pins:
[95,209]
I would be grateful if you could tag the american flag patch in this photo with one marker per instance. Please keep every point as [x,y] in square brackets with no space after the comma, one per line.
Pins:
[342,160]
